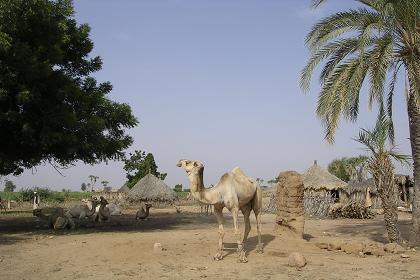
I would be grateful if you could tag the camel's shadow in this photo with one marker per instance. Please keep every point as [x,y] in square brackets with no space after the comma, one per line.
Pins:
[250,245]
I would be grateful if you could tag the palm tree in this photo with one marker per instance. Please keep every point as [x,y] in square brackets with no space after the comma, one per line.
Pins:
[374,42]
[380,166]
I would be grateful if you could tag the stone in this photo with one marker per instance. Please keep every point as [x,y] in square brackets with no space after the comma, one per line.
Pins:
[321,245]
[394,248]
[404,256]
[296,260]
[376,249]
[352,247]
[157,248]
[334,245]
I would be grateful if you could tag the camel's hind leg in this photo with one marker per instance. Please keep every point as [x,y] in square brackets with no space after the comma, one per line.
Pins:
[220,220]
[257,207]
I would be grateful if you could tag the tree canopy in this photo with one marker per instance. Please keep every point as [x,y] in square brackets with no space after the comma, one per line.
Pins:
[138,165]
[9,186]
[51,109]
[348,168]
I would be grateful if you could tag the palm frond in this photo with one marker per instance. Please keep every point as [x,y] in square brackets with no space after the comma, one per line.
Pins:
[340,23]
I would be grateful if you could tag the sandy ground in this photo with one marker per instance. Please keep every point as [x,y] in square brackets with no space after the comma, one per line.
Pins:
[123,249]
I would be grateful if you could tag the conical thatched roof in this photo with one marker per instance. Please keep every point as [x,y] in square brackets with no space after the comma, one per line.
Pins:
[151,188]
[317,178]
[361,186]
[124,188]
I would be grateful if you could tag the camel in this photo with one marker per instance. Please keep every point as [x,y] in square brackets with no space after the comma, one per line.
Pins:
[234,191]
[103,211]
[55,217]
[114,209]
[83,211]
[143,212]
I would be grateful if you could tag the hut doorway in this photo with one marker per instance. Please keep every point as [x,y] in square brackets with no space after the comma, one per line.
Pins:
[335,195]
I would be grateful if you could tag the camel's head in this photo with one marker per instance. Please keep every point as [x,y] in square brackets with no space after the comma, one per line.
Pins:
[190,166]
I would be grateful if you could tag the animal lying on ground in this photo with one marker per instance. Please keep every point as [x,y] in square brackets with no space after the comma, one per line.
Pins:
[55,217]
[83,211]
[114,209]
[143,212]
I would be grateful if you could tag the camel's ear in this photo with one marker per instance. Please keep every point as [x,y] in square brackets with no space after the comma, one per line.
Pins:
[196,163]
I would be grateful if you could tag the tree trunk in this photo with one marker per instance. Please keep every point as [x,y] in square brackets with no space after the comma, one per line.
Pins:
[414,121]
[383,174]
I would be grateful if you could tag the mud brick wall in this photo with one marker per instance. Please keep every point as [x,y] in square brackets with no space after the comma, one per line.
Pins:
[290,212]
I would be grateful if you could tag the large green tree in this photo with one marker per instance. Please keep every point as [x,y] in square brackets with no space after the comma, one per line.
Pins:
[138,165]
[51,109]
[370,43]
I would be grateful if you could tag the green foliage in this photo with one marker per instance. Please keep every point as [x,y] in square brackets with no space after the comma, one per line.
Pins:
[46,195]
[51,108]
[138,165]
[178,188]
[345,167]
[364,44]
[9,186]
[377,141]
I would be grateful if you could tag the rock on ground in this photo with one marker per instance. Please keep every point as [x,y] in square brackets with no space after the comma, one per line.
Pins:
[296,260]
[394,248]
[352,247]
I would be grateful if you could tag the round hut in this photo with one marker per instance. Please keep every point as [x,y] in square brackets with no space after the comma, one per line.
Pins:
[318,181]
[358,191]
[124,189]
[152,189]
[322,189]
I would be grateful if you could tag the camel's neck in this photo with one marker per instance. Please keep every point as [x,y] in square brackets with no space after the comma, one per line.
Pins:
[199,192]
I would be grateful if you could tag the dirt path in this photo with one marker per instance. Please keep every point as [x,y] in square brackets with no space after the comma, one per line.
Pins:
[123,249]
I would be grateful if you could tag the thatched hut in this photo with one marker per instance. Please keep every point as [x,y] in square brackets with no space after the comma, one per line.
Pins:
[319,182]
[151,189]
[124,188]
[358,191]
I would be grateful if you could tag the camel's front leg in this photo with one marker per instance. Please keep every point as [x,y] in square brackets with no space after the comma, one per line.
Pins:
[219,215]
[246,211]
[241,251]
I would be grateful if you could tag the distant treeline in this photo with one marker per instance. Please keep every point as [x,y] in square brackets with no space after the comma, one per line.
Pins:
[45,194]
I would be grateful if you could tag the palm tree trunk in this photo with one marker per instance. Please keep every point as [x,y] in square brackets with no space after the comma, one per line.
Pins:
[414,120]
[383,174]
[413,75]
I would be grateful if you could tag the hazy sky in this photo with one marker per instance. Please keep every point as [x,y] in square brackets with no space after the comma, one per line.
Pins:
[215,81]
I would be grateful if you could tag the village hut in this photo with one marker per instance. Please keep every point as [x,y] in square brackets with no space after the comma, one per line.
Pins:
[321,190]
[363,192]
[152,189]
[124,188]
[319,182]
[404,189]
